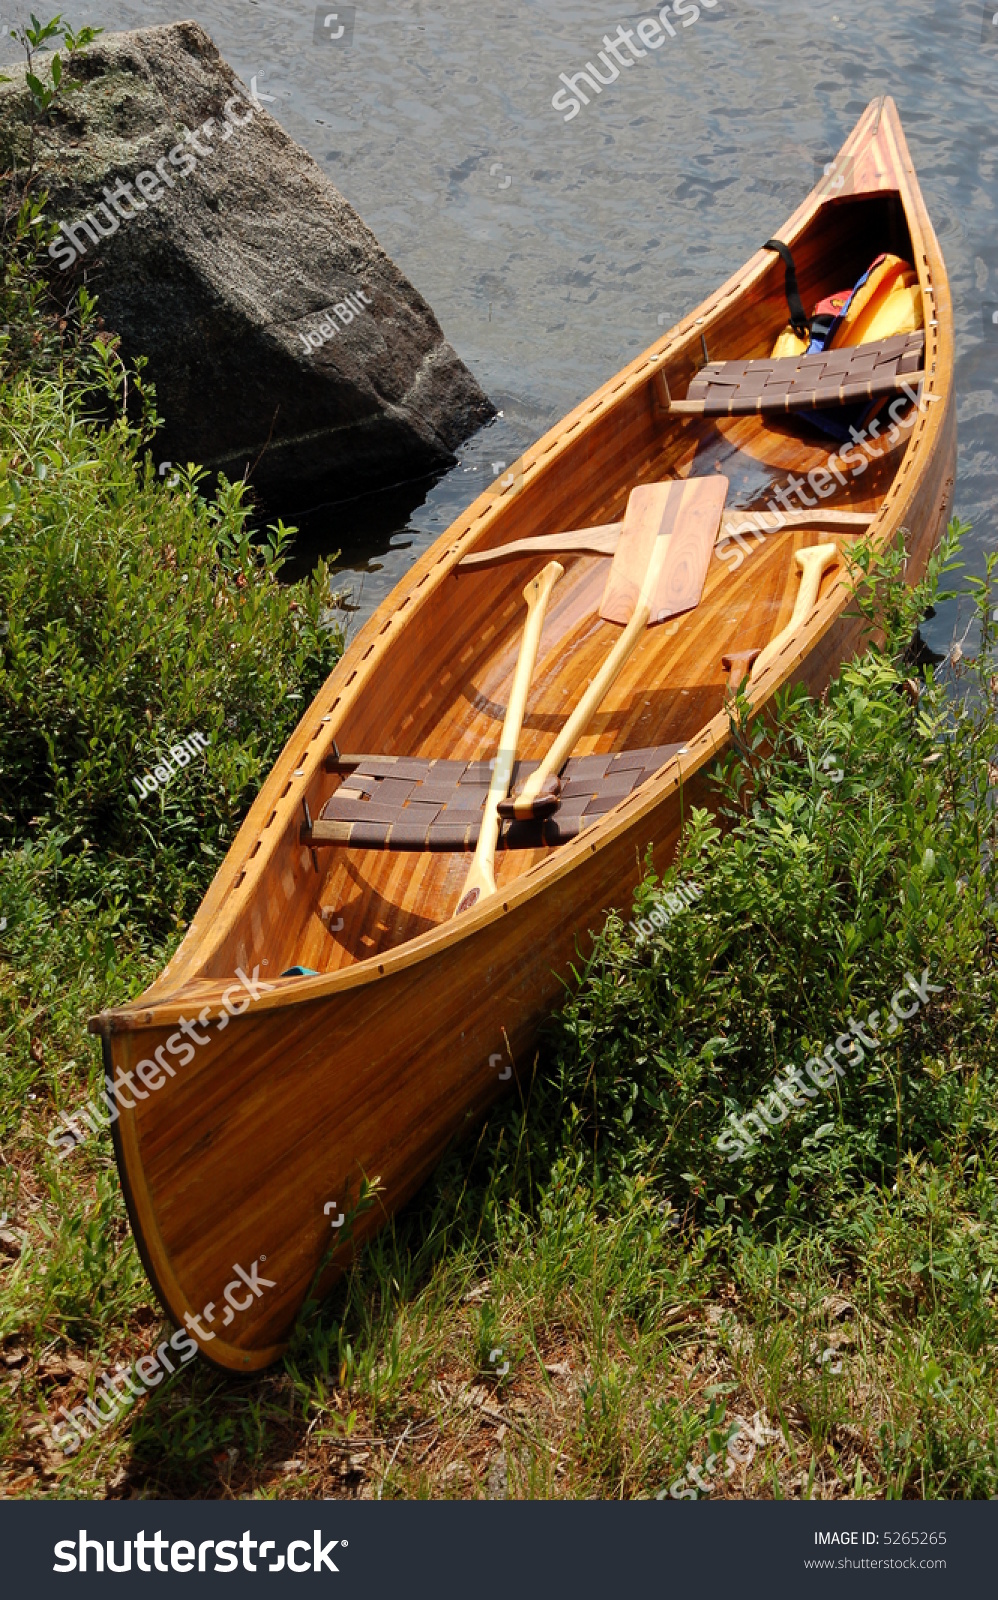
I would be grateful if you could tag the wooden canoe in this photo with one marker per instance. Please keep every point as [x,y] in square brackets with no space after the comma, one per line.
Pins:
[254,1150]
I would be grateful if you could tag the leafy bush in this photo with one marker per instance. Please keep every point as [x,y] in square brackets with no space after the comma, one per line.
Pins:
[134,615]
[594,1256]
[857,847]
[135,612]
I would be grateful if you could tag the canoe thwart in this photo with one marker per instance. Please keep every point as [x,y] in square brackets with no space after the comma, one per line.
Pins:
[602,541]
[339,763]
[806,383]
[411,803]
[343,763]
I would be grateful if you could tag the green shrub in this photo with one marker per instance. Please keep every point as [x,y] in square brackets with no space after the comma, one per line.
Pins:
[133,613]
[858,847]
[594,1256]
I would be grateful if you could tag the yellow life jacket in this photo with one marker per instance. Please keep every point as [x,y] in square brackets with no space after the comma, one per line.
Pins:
[887,300]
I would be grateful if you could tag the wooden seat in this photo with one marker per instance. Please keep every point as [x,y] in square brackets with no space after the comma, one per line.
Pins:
[805,383]
[409,803]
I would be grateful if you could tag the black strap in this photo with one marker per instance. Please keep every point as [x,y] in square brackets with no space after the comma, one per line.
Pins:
[798,319]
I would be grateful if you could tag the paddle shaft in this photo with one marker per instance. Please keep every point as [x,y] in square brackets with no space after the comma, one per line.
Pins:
[606,677]
[481,874]
[740,665]
[812,564]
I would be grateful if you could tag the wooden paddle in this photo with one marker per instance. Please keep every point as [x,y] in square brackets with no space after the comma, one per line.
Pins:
[481,874]
[658,570]
[812,563]
[602,541]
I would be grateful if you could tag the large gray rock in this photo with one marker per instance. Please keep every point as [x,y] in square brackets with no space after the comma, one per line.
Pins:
[280,336]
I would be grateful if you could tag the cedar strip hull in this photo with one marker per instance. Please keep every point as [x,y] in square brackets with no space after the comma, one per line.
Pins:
[418,1022]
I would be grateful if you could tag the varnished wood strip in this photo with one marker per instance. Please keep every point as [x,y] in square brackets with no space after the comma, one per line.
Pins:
[580,541]
[317,1079]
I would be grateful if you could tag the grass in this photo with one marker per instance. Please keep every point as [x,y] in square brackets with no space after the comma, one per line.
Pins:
[589,1298]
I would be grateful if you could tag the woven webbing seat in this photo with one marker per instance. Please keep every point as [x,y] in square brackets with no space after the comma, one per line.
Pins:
[798,383]
[406,803]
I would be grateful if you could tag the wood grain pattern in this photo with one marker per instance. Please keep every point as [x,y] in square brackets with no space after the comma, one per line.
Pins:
[688,515]
[812,565]
[577,542]
[398,1045]
[481,873]
[603,541]
[869,165]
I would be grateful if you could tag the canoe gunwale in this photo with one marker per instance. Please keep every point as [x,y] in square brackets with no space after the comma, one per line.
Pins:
[920,490]
[249,854]
[233,888]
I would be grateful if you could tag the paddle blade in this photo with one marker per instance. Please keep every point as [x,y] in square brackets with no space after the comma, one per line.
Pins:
[688,513]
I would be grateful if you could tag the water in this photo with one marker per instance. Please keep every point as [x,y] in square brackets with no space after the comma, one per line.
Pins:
[554,251]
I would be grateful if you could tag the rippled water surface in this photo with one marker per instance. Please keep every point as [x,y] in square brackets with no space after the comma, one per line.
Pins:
[554,251]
